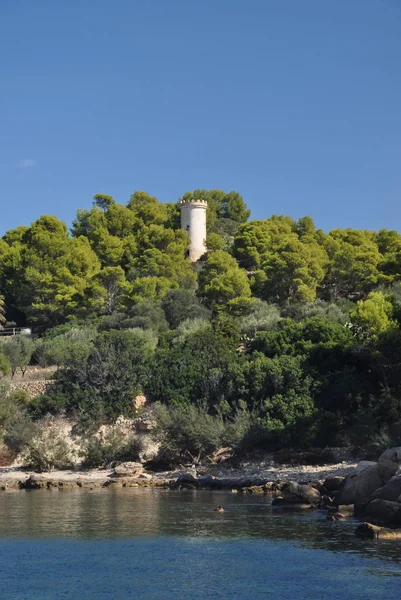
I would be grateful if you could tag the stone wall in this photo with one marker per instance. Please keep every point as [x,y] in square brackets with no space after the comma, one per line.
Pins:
[34,388]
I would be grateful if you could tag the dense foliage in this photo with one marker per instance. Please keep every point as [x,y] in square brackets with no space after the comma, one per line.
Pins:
[282,332]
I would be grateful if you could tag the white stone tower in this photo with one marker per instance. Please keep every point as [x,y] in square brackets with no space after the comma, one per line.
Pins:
[193,220]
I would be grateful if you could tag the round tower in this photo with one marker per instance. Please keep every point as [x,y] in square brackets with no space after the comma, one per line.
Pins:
[193,220]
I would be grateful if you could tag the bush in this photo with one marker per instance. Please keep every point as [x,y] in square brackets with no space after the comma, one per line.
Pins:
[73,345]
[52,403]
[105,385]
[19,430]
[261,317]
[105,449]
[188,432]
[189,327]
[237,426]
[180,305]
[44,446]
[5,366]
[11,404]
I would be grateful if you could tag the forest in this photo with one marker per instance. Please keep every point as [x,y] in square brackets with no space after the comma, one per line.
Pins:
[281,336]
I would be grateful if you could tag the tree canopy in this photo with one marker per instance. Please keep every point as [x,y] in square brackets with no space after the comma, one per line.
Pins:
[294,330]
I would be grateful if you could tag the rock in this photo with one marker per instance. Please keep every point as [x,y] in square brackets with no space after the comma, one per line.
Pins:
[186,481]
[32,483]
[347,509]
[390,491]
[145,424]
[207,481]
[278,501]
[333,483]
[327,500]
[255,489]
[221,454]
[390,463]
[336,516]
[297,493]
[147,476]
[128,469]
[384,512]
[367,530]
[340,512]
[33,388]
[359,485]
[139,401]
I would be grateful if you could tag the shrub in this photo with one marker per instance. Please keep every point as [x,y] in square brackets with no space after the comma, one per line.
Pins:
[74,345]
[112,446]
[188,432]
[44,445]
[237,426]
[189,327]
[5,366]
[11,404]
[261,317]
[52,403]
[19,430]
[105,384]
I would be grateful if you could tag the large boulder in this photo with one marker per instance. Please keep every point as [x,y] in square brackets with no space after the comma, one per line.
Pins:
[390,463]
[367,530]
[384,512]
[187,481]
[360,484]
[128,469]
[332,484]
[32,483]
[297,493]
[390,491]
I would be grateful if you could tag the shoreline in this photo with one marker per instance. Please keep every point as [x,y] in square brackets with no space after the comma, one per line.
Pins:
[213,477]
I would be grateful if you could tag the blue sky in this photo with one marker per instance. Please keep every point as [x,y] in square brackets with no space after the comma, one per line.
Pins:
[296,104]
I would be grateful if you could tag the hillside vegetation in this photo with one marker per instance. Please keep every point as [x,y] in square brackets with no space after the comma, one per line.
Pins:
[282,335]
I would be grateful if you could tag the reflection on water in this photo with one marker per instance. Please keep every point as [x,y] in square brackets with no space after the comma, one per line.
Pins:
[130,530]
[130,512]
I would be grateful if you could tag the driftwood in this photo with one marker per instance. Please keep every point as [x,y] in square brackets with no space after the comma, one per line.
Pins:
[366,530]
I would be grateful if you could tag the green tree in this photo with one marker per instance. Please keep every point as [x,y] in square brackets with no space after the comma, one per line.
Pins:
[354,261]
[45,275]
[148,209]
[110,287]
[19,352]
[373,317]
[292,271]
[222,281]
[103,201]
[389,245]
[190,370]
[182,304]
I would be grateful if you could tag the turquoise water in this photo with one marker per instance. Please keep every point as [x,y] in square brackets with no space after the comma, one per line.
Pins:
[157,544]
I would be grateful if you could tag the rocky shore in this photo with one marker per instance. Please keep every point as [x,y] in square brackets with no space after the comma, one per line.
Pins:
[134,474]
[369,491]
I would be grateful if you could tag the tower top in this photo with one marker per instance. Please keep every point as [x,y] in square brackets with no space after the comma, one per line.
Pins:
[200,203]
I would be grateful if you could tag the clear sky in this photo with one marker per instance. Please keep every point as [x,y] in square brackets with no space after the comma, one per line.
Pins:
[296,104]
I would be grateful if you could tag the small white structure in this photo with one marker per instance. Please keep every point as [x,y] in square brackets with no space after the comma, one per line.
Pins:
[193,220]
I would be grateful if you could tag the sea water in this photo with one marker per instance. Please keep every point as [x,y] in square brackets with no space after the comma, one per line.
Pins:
[159,544]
